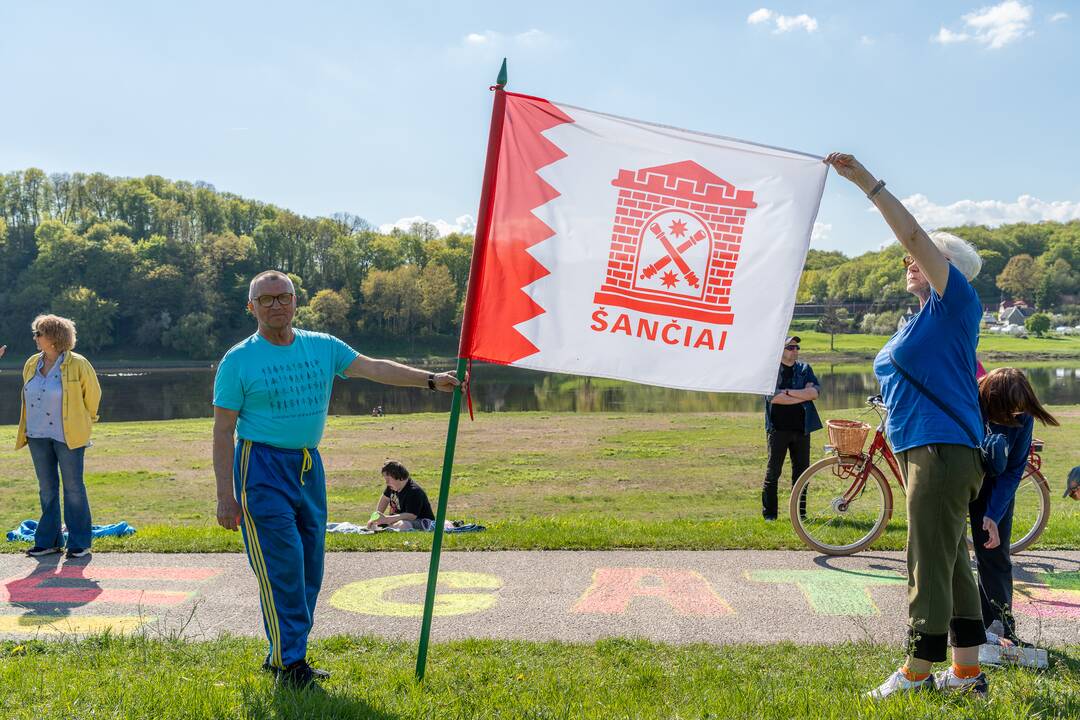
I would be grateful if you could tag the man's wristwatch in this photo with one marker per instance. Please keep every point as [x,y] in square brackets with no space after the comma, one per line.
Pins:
[431,381]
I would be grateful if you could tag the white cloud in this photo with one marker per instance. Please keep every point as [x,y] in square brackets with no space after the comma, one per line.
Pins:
[759,16]
[820,233]
[784,23]
[492,40]
[532,38]
[946,36]
[461,224]
[866,40]
[994,26]
[989,212]
[1058,17]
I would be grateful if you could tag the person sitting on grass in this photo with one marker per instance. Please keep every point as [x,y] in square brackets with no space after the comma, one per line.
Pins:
[407,503]
[1011,407]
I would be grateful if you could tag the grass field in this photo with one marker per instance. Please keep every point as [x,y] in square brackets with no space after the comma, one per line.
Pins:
[139,678]
[991,346]
[537,481]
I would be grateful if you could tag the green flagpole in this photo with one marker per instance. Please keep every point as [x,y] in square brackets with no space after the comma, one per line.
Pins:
[468,322]
[440,519]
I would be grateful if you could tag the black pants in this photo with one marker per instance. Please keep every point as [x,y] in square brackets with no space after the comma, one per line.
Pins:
[783,442]
[995,566]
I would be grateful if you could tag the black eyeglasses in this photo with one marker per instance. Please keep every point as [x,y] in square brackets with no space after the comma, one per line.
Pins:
[283,299]
[791,347]
[36,333]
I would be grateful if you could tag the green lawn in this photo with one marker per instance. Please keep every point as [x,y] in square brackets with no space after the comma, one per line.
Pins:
[135,678]
[536,480]
[991,346]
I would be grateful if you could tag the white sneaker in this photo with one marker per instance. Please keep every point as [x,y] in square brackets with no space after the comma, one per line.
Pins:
[946,681]
[898,682]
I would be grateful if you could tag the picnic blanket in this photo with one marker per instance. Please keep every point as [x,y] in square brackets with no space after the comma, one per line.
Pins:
[26,529]
[348,528]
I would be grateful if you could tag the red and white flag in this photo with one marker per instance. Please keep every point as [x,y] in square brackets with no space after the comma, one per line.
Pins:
[622,249]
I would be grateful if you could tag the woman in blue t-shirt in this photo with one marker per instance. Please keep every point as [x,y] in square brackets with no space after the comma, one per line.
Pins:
[1011,407]
[927,376]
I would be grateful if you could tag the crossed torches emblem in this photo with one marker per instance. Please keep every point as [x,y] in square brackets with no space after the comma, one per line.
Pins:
[674,254]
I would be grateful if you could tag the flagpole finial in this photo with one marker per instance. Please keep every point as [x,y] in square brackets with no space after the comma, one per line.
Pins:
[501,80]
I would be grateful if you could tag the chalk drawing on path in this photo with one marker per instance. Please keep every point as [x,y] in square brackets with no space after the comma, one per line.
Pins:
[833,592]
[1057,595]
[369,597]
[50,593]
[685,591]
[30,624]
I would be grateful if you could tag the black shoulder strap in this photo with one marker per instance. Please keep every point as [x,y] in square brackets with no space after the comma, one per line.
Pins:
[944,408]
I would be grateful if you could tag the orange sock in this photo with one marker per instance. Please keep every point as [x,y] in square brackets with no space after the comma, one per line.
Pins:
[913,676]
[965,671]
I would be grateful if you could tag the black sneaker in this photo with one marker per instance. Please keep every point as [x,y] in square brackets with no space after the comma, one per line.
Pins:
[38,551]
[315,672]
[300,675]
[73,553]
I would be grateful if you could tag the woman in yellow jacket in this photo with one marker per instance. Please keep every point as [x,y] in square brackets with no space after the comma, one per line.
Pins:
[59,404]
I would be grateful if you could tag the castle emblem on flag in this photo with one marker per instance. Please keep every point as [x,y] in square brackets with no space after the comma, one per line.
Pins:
[675,243]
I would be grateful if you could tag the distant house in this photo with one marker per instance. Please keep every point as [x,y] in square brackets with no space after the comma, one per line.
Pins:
[1014,311]
[904,319]
[1016,315]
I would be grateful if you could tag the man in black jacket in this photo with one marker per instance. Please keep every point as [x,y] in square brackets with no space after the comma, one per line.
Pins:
[790,417]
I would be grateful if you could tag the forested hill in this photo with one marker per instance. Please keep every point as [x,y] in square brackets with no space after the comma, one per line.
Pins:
[150,267]
[1039,263]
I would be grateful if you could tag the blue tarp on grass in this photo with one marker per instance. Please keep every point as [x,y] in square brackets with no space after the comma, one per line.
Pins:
[26,529]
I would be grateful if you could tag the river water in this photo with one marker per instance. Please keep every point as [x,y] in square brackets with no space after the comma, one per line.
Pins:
[166,394]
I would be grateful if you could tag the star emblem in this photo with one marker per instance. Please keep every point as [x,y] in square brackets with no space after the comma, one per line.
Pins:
[677,228]
[670,279]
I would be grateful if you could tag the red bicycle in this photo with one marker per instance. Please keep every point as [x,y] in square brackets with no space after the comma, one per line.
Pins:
[843,502]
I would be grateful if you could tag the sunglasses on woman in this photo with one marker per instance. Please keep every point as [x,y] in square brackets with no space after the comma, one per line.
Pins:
[909,261]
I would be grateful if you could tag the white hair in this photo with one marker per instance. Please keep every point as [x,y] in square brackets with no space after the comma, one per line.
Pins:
[276,274]
[959,252]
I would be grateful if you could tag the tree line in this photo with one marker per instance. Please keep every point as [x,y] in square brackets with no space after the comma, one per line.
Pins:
[150,267]
[154,267]
[1038,263]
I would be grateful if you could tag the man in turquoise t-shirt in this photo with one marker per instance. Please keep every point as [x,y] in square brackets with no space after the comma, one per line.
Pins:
[273,390]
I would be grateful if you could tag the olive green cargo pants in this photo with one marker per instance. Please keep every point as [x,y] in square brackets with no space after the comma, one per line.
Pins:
[943,596]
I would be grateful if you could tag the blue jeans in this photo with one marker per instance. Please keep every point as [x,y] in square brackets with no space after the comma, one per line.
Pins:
[53,459]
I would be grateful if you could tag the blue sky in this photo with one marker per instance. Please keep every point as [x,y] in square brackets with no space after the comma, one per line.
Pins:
[969,110]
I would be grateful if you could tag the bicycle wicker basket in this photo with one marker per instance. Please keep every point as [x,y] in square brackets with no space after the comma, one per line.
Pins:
[847,436]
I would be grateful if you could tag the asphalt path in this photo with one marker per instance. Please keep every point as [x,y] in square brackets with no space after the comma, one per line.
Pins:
[674,597]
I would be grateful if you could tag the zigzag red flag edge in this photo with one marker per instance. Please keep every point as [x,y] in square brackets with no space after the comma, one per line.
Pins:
[499,302]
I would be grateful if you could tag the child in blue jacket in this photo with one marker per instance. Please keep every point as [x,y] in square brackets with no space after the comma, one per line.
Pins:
[1010,406]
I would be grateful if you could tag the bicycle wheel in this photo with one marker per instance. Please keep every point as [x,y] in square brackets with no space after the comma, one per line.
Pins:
[829,524]
[1031,512]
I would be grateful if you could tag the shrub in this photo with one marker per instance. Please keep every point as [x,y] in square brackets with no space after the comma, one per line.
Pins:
[1038,324]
